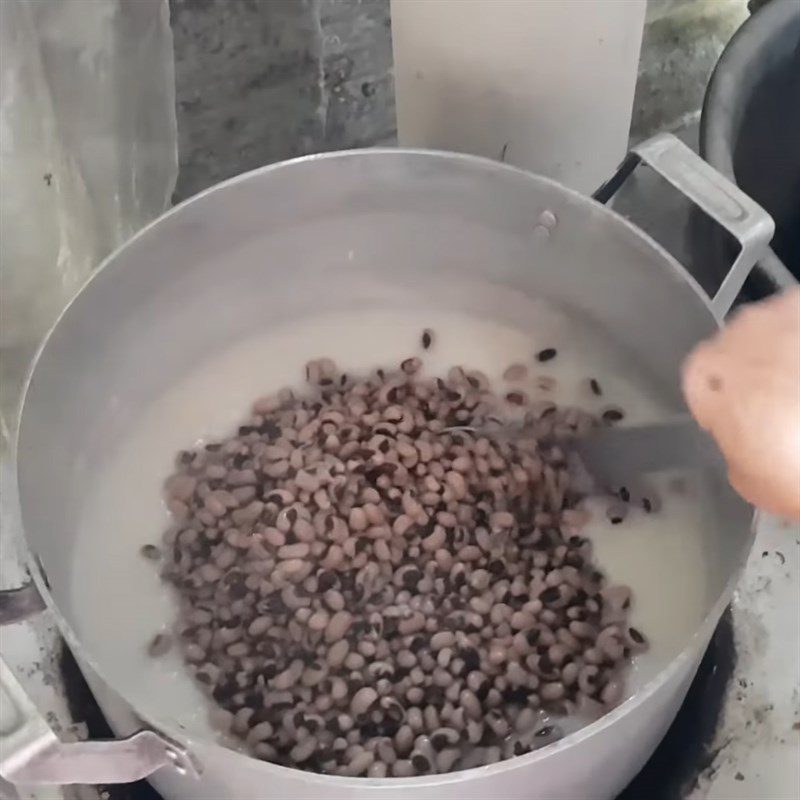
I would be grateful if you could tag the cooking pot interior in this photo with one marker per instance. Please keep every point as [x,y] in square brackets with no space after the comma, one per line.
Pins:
[378,229]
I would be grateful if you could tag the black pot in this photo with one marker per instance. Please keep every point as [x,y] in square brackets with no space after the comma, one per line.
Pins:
[750,132]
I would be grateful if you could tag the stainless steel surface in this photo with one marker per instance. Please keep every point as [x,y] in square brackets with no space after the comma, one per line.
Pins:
[382,226]
[617,456]
[32,754]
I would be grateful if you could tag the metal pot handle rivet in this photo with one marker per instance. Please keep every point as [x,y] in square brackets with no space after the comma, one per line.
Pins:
[546,223]
[712,192]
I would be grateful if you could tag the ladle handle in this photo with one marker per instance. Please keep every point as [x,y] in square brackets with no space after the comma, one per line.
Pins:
[719,198]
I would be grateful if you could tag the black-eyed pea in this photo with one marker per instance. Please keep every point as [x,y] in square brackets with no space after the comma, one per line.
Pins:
[421,762]
[515,373]
[500,520]
[442,639]
[588,679]
[569,673]
[582,630]
[521,620]
[471,705]
[612,415]
[178,509]
[415,695]
[635,640]
[498,724]
[469,553]
[447,759]
[480,605]
[403,768]
[516,674]
[435,539]
[319,620]
[333,558]
[379,769]
[294,551]
[609,642]
[194,653]
[359,763]
[209,573]
[611,693]
[241,721]
[474,730]
[444,559]
[458,485]
[289,677]
[259,626]
[159,645]
[260,732]
[550,692]
[277,469]
[569,641]
[181,487]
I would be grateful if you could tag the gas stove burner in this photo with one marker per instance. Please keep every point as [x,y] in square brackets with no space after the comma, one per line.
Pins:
[674,768]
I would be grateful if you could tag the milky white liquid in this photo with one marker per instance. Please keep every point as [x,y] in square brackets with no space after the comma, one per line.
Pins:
[119,602]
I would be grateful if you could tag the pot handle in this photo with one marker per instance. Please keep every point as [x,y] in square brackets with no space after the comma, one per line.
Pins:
[18,604]
[31,753]
[718,197]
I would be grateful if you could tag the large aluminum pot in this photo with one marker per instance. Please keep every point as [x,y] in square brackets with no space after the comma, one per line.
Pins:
[325,233]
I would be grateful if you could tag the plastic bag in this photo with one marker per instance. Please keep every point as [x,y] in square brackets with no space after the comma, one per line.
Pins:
[88,152]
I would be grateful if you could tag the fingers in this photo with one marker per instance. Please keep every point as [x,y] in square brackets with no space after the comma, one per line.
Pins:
[779,498]
[702,383]
[743,387]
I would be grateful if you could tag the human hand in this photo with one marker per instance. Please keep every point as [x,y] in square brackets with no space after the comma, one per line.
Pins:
[743,387]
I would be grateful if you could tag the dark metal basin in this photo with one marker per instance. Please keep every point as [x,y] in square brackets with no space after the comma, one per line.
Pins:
[750,131]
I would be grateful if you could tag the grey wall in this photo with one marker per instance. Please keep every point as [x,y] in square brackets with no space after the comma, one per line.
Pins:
[262,80]
[681,44]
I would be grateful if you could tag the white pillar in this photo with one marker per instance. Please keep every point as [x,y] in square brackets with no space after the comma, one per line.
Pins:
[543,84]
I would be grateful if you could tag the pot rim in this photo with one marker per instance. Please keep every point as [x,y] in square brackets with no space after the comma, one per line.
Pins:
[175,731]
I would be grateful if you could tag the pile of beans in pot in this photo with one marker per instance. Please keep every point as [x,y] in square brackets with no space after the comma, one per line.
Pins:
[368,589]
